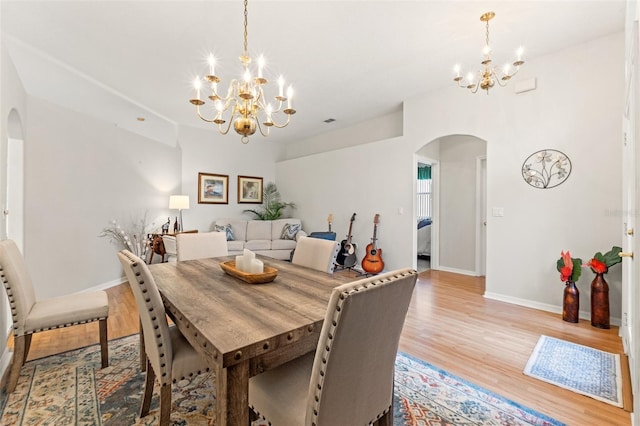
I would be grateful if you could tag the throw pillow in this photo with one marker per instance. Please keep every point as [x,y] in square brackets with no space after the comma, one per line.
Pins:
[289,231]
[228,230]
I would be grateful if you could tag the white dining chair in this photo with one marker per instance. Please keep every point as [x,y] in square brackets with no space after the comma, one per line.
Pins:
[169,355]
[31,316]
[170,248]
[348,380]
[316,253]
[201,245]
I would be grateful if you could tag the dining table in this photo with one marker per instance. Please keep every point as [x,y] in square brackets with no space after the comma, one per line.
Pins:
[243,328]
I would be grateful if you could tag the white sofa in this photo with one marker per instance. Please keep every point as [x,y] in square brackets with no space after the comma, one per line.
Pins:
[261,236]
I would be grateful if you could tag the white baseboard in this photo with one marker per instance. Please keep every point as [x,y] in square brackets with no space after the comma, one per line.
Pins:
[455,270]
[106,285]
[542,306]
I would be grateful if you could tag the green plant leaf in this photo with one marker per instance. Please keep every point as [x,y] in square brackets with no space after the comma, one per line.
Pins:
[611,257]
[577,269]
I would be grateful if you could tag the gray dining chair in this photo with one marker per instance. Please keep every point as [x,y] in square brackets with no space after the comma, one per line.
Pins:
[316,253]
[348,381]
[169,355]
[31,316]
[201,245]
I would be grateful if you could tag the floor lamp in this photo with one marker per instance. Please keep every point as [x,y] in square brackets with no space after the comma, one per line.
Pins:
[180,202]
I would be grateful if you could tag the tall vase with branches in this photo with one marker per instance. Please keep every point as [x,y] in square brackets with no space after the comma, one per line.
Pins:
[273,206]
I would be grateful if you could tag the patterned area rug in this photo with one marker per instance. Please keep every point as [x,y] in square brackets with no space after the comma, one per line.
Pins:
[71,389]
[581,369]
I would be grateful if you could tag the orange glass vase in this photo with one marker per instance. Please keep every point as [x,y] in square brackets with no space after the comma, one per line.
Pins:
[571,303]
[600,302]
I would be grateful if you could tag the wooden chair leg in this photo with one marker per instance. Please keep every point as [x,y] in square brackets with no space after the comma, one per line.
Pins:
[165,405]
[143,354]
[104,343]
[148,391]
[27,346]
[19,355]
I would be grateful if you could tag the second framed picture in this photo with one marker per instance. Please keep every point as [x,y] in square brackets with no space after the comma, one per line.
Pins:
[249,190]
[213,189]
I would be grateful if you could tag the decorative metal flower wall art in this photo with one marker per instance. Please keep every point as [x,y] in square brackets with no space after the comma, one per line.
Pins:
[546,168]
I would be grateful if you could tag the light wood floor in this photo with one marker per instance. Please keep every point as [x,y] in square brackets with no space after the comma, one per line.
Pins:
[449,325]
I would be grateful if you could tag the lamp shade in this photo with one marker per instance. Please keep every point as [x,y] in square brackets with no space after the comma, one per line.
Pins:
[180,202]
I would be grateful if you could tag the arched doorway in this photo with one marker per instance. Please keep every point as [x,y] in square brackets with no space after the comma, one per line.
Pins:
[13,204]
[458,222]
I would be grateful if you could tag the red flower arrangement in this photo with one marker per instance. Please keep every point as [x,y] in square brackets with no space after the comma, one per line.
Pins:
[600,263]
[569,268]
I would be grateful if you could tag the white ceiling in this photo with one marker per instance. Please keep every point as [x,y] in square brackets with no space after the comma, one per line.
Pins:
[348,60]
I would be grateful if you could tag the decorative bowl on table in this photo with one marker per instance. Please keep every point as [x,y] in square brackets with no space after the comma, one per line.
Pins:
[267,276]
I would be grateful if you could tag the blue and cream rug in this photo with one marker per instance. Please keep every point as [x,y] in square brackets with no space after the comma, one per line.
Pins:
[71,389]
[579,368]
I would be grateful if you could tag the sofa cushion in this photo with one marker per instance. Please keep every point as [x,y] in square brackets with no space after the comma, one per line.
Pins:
[258,245]
[278,224]
[239,228]
[235,245]
[283,245]
[289,231]
[258,230]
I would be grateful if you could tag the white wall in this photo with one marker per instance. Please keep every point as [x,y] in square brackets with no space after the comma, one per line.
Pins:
[385,127]
[570,111]
[457,218]
[207,151]
[363,179]
[12,98]
[82,173]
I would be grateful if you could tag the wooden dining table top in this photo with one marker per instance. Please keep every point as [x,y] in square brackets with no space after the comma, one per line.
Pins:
[231,321]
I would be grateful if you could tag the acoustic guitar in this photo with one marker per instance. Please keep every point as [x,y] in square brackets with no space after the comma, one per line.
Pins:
[347,255]
[372,262]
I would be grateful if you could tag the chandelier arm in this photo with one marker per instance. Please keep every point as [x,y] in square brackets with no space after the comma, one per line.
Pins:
[203,118]
[501,83]
[280,126]
[225,131]
[260,128]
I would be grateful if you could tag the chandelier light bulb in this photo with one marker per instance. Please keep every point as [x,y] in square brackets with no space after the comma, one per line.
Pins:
[261,63]
[487,74]
[456,69]
[212,62]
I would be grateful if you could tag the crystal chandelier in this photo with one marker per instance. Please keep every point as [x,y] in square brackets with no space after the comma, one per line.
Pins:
[487,77]
[245,105]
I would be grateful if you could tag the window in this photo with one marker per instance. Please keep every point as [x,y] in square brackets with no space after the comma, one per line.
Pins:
[424,201]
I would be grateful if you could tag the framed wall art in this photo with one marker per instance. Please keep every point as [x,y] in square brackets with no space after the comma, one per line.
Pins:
[249,190]
[213,189]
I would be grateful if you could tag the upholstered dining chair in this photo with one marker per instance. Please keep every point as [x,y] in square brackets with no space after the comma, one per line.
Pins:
[170,250]
[169,356]
[316,253]
[348,381]
[31,316]
[201,245]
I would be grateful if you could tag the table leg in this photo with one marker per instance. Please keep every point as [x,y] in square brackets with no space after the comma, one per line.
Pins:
[232,395]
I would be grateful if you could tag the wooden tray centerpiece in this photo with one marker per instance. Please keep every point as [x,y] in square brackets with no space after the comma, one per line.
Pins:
[267,276]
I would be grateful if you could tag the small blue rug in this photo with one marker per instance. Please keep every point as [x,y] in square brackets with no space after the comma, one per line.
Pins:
[580,369]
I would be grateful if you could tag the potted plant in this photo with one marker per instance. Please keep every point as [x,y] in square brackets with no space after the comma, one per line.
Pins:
[273,206]
[570,270]
[600,264]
